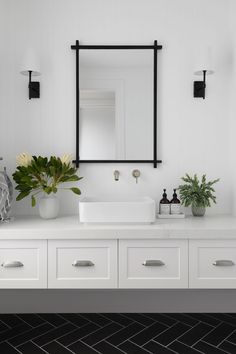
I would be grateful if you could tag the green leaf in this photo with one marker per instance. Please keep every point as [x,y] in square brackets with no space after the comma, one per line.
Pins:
[33,201]
[48,190]
[22,195]
[75,190]
[54,189]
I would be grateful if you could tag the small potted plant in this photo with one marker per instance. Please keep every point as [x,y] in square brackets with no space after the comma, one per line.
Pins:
[198,194]
[37,175]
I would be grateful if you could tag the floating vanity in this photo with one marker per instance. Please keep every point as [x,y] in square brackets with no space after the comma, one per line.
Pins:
[63,253]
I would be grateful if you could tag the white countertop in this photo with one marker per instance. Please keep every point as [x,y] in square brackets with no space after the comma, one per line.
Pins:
[69,227]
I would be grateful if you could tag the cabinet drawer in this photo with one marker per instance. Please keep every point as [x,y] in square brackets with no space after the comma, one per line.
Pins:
[23,264]
[153,264]
[82,264]
[212,264]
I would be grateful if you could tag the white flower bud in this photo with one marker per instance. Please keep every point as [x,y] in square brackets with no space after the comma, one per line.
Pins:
[66,159]
[24,159]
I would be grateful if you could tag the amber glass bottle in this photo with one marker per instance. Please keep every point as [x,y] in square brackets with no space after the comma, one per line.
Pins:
[175,204]
[164,206]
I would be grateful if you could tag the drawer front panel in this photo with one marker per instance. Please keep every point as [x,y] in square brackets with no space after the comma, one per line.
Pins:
[153,264]
[82,264]
[23,264]
[212,264]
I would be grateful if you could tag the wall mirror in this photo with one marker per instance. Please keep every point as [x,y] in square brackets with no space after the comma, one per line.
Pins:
[116,103]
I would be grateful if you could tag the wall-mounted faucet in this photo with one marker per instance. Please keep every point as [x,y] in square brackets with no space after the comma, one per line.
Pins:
[116,175]
[136,174]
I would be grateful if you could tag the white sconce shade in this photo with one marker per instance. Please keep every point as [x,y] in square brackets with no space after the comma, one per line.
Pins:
[203,62]
[30,63]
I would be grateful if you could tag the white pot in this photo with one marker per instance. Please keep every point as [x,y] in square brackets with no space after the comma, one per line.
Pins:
[49,207]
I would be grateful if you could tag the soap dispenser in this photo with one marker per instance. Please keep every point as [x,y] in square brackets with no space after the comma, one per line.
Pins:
[175,204]
[164,206]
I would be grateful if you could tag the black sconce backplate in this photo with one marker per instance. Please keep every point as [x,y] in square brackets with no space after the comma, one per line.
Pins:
[199,89]
[34,89]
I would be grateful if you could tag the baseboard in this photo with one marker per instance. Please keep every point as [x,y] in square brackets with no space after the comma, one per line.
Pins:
[51,301]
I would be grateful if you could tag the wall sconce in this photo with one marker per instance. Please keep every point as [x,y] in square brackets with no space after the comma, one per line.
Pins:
[203,62]
[31,68]
[199,87]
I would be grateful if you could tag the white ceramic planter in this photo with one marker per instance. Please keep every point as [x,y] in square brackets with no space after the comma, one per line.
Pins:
[49,207]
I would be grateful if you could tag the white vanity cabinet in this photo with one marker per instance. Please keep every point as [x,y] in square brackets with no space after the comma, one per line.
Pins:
[63,253]
[23,264]
[212,264]
[153,264]
[82,264]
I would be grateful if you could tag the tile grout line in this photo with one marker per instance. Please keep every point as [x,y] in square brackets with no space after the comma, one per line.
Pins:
[90,320]
[231,342]
[52,339]
[211,345]
[24,321]
[19,334]
[63,346]
[169,316]
[225,321]
[5,324]
[128,340]
[89,345]
[225,338]
[153,339]
[32,339]
[103,338]
[161,346]
[133,334]
[191,347]
[80,339]
[37,346]
[160,321]
[176,339]
[206,334]
[47,321]
[12,346]
[115,347]
[133,321]
[205,321]
[111,321]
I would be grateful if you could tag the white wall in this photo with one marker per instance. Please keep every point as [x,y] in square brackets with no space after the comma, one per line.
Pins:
[193,135]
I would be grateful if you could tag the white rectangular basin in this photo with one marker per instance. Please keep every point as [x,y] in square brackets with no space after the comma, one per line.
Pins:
[117,210]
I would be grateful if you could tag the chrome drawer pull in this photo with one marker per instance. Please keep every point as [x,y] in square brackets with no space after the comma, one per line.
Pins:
[12,264]
[83,264]
[223,263]
[153,263]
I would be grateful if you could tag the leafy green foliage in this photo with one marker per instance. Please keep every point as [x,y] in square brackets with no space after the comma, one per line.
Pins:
[197,193]
[44,175]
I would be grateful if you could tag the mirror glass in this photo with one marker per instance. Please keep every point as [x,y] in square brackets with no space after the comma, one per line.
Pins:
[116,104]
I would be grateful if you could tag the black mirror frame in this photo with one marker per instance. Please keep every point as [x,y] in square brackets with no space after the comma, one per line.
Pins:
[155,47]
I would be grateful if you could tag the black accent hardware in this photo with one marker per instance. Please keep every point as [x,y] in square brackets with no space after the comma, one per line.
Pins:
[155,47]
[199,88]
[34,87]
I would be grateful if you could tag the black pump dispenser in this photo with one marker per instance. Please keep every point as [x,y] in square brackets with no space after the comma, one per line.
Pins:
[175,204]
[164,207]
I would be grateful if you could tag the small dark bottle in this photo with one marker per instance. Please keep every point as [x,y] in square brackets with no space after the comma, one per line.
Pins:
[175,204]
[164,206]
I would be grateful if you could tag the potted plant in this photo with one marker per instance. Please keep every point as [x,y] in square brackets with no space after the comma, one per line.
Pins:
[197,193]
[37,175]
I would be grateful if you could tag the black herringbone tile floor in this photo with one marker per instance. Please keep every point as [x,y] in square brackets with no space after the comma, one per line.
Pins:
[130,333]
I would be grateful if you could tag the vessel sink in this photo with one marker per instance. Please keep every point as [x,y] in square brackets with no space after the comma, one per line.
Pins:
[117,210]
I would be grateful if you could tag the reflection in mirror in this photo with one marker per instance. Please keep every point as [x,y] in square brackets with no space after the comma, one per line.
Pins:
[116,104]
[97,124]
